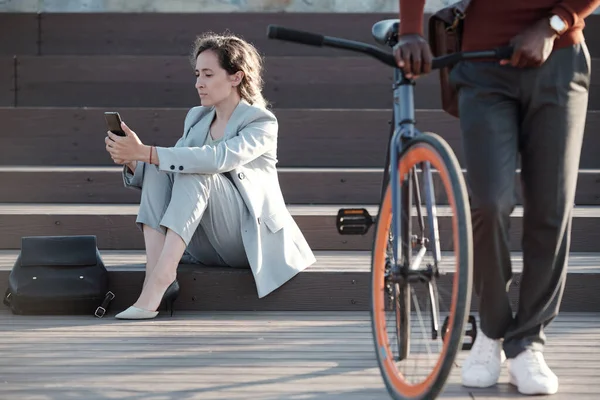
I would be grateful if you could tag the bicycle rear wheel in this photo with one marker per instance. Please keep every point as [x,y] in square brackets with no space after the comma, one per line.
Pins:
[424,148]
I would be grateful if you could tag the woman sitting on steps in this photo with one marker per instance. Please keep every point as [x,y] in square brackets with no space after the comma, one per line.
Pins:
[215,195]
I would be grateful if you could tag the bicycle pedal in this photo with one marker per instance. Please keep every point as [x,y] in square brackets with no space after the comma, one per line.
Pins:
[472,332]
[353,221]
[444,329]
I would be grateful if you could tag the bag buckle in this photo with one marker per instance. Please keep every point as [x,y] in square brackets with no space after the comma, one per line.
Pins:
[7,297]
[101,310]
[458,16]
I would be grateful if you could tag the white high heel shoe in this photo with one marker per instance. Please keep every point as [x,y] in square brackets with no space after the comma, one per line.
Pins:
[168,298]
[136,313]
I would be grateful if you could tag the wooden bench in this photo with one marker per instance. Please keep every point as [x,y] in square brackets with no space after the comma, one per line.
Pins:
[339,281]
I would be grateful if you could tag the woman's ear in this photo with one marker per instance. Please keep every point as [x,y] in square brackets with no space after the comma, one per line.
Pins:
[236,78]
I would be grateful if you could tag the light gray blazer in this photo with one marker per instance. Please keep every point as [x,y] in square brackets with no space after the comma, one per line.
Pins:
[275,246]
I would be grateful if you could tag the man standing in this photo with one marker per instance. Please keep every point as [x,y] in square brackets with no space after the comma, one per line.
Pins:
[533,105]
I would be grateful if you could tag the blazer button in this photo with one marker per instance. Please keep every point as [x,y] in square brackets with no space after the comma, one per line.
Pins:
[172,167]
[241,175]
[181,167]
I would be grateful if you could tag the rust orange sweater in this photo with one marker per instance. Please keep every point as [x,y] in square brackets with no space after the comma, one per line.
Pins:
[492,23]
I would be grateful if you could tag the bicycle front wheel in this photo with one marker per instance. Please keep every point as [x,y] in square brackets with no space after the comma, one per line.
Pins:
[424,148]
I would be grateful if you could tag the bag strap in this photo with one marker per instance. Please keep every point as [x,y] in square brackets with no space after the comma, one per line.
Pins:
[101,310]
[6,299]
[451,15]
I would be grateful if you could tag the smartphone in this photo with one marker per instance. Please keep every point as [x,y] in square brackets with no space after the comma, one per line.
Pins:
[113,120]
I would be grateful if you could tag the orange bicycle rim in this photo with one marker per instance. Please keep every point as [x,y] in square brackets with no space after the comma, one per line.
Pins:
[420,152]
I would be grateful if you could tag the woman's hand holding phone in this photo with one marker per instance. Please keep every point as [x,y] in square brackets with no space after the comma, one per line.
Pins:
[126,149]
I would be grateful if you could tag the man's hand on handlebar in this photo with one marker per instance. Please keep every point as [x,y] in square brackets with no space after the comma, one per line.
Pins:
[413,55]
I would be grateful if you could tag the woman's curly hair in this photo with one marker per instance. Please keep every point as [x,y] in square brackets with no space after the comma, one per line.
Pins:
[235,54]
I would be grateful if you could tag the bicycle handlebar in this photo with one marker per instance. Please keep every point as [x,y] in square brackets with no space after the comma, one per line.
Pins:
[314,39]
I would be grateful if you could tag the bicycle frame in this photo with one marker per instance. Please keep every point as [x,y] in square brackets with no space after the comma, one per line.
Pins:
[404,130]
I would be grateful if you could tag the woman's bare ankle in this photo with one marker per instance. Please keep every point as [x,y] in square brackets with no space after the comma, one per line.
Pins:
[152,294]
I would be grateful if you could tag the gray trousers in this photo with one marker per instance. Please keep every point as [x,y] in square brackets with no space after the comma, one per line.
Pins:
[204,210]
[540,115]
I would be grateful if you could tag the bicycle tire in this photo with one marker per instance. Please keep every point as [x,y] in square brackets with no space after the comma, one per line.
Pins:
[434,149]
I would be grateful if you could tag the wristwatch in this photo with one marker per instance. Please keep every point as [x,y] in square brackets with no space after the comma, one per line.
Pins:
[557,24]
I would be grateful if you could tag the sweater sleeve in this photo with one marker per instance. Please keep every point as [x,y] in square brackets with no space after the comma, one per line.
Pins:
[572,11]
[411,16]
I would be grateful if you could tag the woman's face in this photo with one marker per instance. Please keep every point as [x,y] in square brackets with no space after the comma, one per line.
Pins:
[213,83]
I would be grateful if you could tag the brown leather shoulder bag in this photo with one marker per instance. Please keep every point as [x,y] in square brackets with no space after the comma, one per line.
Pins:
[445,37]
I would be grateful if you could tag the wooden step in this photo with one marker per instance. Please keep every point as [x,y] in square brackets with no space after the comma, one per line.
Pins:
[115,227]
[299,185]
[173,33]
[168,81]
[307,137]
[339,281]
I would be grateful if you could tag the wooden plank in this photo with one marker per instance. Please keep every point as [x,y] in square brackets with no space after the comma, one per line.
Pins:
[7,81]
[327,322]
[345,138]
[294,353]
[254,363]
[327,186]
[55,344]
[115,226]
[267,388]
[19,32]
[173,34]
[327,261]
[166,81]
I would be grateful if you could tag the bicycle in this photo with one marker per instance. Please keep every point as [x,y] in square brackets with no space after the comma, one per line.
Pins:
[394,267]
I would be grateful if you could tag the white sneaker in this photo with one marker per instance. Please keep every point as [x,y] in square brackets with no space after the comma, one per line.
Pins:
[482,367]
[531,375]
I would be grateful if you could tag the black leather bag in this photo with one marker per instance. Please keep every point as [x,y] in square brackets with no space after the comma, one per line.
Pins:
[445,37]
[58,275]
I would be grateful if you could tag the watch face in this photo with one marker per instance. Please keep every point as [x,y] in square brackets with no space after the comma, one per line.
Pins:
[557,23]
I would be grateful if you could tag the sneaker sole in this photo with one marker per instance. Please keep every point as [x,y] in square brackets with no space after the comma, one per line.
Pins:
[474,384]
[513,381]
[479,386]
